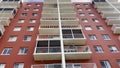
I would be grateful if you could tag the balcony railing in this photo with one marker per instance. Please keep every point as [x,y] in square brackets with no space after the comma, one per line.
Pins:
[116,28]
[77,52]
[4,21]
[48,37]
[48,49]
[73,36]
[112,20]
[68,65]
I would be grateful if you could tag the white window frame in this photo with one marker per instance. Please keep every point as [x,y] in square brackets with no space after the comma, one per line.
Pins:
[100,28]
[6,51]
[27,38]
[92,37]
[113,49]
[32,21]
[12,39]
[106,37]
[19,65]
[30,28]
[21,21]
[99,49]
[2,65]
[106,64]
[18,28]
[23,51]
[88,28]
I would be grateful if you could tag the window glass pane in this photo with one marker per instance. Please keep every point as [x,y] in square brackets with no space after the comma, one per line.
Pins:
[12,38]
[19,65]
[2,65]
[17,28]
[113,48]
[27,38]
[7,51]
[92,37]
[88,28]
[105,64]
[98,49]
[105,37]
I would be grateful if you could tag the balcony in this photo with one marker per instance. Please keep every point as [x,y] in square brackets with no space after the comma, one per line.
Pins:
[116,28]
[48,37]
[7,12]
[50,6]
[49,15]
[50,10]
[10,4]
[61,1]
[66,5]
[66,10]
[4,21]
[68,65]
[73,37]
[50,1]
[70,24]
[111,21]
[2,30]
[77,52]
[110,14]
[47,50]
[68,15]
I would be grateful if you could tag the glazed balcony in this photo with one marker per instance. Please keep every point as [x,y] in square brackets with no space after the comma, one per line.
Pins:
[48,37]
[116,28]
[50,6]
[77,52]
[68,65]
[67,10]
[49,15]
[47,50]
[110,14]
[10,4]
[50,1]
[49,22]
[2,30]
[111,21]
[7,12]
[73,37]
[72,23]
[66,5]
[50,10]
[64,1]
[68,15]
[4,21]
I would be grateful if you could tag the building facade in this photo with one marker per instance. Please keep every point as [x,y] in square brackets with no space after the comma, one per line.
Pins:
[59,34]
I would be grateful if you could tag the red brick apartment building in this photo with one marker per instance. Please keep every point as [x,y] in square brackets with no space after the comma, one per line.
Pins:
[60,34]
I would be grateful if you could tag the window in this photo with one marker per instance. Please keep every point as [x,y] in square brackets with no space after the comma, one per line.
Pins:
[30,28]
[21,21]
[28,4]
[88,28]
[6,51]
[2,65]
[19,65]
[92,37]
[24,14]
[113,48]
[36,9]
[32,21]
[98,49]
[105,64]
[77,5]
[84,20]
[37,4]
[27,38]
[23,50]
[34,14]
[88,9]
[82,14]
[85,4]
[26,9]
[12,38]
[118,61]
[105,37]
[91,14]
[79,9]
[95,20]
[99,28]
[18,28]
